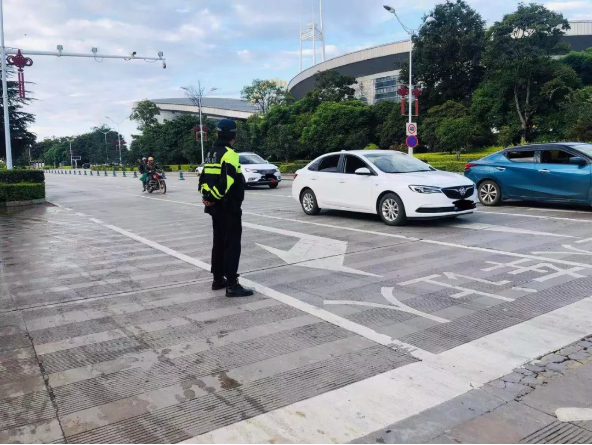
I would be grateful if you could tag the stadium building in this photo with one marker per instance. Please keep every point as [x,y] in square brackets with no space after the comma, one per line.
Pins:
[377,69]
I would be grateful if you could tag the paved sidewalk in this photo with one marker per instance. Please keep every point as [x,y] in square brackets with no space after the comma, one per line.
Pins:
[521,407]
[106,340]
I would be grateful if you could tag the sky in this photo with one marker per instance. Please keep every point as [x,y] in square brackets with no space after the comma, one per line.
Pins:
[222,43]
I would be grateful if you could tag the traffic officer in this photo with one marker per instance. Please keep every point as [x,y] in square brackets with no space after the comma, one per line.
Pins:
[222,186]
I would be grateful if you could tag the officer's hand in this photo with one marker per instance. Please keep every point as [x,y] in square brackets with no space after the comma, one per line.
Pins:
[207,203]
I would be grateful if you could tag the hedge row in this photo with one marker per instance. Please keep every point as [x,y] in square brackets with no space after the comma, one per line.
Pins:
[16,176]
[292,167]
[25,191]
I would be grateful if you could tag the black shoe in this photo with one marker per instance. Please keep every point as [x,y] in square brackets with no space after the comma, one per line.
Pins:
[236,290]
[219,284]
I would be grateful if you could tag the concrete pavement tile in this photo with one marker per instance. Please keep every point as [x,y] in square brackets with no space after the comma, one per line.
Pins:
[572,390]
[507,424]
[435,421]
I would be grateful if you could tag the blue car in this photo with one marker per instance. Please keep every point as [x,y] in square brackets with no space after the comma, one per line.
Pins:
[559,173]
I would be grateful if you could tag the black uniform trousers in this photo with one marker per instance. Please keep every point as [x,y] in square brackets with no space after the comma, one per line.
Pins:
[226,251]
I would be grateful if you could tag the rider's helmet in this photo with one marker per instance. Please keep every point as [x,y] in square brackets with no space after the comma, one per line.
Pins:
[226,129]
[144,158]
[150,159]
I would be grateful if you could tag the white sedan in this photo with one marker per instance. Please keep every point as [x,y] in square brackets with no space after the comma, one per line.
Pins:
[256,170]
[396,186]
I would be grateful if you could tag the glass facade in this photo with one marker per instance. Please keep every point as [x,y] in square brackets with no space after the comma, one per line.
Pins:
[375,88]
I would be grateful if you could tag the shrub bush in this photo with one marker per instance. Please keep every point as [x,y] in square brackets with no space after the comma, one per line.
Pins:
[16,176]
[292,167]
[24,191]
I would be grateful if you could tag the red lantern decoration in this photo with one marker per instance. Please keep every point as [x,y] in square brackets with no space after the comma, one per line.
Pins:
[417,92]
[403,91]
[20,62]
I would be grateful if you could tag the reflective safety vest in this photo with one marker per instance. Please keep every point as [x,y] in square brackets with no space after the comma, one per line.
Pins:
[222,179]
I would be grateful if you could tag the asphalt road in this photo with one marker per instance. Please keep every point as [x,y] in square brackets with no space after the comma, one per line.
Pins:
[112,333]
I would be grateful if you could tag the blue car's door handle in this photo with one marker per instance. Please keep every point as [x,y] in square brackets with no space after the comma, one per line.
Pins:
[501,168]
[544,170]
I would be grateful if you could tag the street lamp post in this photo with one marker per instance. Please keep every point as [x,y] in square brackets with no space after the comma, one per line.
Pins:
[105,133]
[411,33]
[196,96]
[118,135]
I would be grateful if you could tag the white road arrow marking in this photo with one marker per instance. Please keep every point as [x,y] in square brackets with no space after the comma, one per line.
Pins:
[455,276]
[387,293]
[312,251]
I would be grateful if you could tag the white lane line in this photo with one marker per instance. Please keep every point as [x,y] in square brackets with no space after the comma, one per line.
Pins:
[505,229]
[327,316]
[574,414]
[427,241]
[375,403]
[408,238]
[582,241]
[557,210]
[525,215]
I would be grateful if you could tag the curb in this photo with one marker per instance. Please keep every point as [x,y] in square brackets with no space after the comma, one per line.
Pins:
[22,203]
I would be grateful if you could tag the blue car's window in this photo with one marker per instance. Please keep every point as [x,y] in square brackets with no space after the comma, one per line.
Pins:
[520,156]
[584,148]
[555,157]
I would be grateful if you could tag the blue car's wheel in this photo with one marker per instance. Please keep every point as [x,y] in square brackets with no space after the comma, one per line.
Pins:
[490,193]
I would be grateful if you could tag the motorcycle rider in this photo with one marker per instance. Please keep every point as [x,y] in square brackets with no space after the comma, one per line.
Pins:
[222,186]
[151,167]
[142,170]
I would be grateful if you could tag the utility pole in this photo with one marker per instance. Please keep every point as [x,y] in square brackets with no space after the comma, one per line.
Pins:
[59,53]
[196,96]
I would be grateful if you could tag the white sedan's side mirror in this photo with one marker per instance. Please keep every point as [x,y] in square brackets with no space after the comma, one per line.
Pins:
[364,171]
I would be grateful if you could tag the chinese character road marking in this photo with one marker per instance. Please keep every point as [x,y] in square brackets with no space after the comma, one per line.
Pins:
[463,290]
[551,270]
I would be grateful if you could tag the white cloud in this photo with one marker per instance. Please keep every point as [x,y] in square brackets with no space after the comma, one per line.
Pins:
[568,6]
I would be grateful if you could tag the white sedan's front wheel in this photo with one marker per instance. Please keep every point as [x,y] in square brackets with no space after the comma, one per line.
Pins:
[392,210]
[308,200]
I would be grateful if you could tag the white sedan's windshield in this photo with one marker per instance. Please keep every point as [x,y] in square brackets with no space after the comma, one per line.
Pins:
[251,159]
[390,162]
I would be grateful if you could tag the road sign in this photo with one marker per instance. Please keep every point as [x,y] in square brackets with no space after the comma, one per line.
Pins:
[412,141]
[411,129]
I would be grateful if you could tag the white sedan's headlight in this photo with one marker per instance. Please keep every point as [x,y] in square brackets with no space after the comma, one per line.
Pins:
[425,189]
[250,170]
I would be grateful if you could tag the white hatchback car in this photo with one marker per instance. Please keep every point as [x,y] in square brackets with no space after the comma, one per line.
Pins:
[395,185]
[256,170]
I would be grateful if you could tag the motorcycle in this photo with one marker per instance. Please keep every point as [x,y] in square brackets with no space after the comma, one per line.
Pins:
[155,182]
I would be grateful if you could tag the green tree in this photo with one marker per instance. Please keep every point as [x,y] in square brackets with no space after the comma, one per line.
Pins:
[507,136]
[144,113]
[389,124]
[334,87]
[580,115]
[518,58]
[338,126]
[447,54]
[581,62]
[455,135]
[265,94]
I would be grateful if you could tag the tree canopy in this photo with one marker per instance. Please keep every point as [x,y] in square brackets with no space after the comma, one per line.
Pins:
[144,113]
